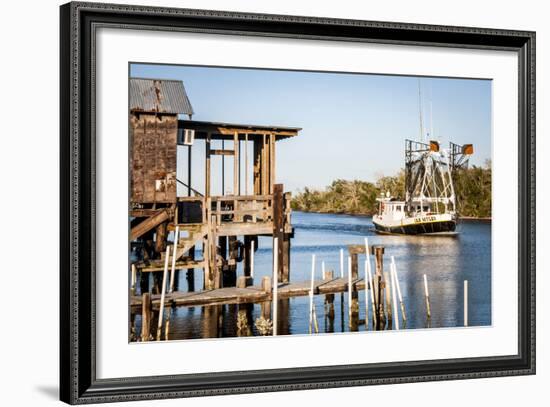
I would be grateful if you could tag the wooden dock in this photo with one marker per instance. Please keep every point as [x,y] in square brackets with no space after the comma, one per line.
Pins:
[252,294]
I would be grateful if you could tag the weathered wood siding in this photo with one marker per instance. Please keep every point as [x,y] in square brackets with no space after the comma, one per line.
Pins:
[153,157]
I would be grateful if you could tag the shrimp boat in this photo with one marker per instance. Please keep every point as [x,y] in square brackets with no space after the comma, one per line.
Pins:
[430,201]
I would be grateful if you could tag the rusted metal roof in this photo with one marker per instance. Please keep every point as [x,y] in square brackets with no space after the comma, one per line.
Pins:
[159,95]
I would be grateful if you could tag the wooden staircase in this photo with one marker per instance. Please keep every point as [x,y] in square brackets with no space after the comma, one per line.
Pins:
[195,232]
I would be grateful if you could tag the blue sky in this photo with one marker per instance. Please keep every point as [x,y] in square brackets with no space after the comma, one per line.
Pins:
[354,125]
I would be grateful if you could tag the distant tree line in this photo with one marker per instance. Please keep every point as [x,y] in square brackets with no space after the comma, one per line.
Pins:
[472,185]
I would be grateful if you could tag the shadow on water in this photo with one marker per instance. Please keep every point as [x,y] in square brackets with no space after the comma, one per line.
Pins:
[446,261]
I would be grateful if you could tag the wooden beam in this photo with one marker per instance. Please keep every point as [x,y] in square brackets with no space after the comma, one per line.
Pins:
[271,162]
[207,175]
[189,188]
[246,164]
[222,152]
[236,164]
[149,223]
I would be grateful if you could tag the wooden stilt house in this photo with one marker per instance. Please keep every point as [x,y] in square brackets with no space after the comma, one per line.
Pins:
[224,226]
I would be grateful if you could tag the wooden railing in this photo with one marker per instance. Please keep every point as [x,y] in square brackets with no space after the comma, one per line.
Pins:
[242,208]
[239,208]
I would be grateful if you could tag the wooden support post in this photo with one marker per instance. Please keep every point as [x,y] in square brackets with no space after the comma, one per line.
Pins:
[190,274]
[427,296]
[378,252]
[465,302]
[146,312]
[266,284]
[275,285]
[271,162]
[354,266]
[278,229]
[236,169]
[223,166]
[257,160]
[206,262]
[246,164]
[208,167]
[231,274]
[389,298]
[252,250]
[160,241]
[189,174]
[246,255]
[241,282]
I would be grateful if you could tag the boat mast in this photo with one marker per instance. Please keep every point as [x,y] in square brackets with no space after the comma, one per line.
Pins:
[420,112]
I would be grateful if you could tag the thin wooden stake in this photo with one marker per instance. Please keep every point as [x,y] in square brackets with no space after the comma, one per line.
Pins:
[163,293]
[371,283]
[133,279]
[173,270]
[394,299]
[427,295]
[341,263]
[349,290]
[246,164]
[311,292]
[396,279]
[465,302]
[275,283]
[252,258]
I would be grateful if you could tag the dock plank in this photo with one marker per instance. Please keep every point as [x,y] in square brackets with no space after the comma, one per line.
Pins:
[252,294]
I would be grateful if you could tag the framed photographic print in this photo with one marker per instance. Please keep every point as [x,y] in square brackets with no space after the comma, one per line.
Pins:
[257,203]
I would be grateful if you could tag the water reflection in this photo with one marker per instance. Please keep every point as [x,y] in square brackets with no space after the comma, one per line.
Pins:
[447,262]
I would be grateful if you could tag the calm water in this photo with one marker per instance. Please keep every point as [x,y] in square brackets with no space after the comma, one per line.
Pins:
[447,262]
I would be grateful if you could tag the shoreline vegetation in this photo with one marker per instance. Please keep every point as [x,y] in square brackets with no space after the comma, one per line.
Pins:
[472,185]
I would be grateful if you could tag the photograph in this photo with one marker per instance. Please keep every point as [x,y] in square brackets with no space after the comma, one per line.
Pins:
[267,202]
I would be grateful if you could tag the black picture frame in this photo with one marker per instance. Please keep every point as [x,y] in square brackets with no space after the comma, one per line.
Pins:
[78,382]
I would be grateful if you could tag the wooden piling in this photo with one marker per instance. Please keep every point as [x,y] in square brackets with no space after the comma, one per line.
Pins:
[146,315]
[427,296]
[389,298]
[252,249]
[275,284]
[278,228]
[378,252]
[354,266]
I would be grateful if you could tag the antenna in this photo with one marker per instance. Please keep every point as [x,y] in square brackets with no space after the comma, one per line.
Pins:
[431,114]
[420,111]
